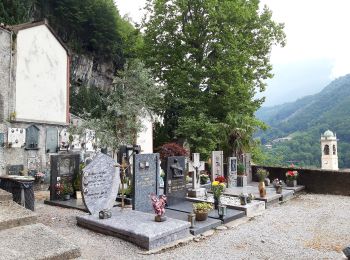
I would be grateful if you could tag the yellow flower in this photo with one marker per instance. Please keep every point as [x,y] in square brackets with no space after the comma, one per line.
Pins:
[222,184]
[215,183]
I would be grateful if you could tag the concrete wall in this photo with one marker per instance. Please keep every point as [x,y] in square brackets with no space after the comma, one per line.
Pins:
[315,180]
[41,77]
[5,78]
[20,156]
[5,67]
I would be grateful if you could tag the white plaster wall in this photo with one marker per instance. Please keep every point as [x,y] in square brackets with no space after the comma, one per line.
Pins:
[145,138]
[41,76]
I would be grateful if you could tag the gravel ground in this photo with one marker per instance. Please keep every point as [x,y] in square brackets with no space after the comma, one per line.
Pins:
[307,227]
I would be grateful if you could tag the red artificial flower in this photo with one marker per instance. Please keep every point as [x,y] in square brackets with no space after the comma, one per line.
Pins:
[220,179]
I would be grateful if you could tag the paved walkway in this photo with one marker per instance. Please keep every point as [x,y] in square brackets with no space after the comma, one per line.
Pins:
[307,227]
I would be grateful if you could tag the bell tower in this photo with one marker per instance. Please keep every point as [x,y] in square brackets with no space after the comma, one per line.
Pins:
[329,150]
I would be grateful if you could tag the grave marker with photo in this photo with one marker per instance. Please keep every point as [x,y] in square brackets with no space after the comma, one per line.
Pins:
[145,180]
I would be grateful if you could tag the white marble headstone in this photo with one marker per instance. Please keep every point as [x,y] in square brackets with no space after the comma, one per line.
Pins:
[89,140]
[64,138]
[217,164]
[232,172]
[16,136]
[76,144]
[196,166]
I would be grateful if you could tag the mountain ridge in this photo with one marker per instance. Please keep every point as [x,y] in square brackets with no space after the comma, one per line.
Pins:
[309,117]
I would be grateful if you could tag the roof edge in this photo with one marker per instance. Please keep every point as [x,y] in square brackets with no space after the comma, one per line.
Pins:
[23,26]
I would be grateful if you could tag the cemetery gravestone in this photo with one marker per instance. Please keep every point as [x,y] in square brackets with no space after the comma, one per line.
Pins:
[64,168]
[145,181]
[32,137]
[64,139]
[100,183]
[76,144]
[89,140]
[196,166]
[175,185]
[16,136]
[232,172]
[51,140]
[248,167]
[217,164]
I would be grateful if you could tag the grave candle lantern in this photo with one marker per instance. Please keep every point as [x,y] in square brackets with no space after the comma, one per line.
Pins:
[222,211]
[192,219]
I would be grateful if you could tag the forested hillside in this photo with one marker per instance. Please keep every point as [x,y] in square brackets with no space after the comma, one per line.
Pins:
[305,120]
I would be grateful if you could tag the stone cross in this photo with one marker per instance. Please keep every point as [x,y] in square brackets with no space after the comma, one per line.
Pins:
[195,166]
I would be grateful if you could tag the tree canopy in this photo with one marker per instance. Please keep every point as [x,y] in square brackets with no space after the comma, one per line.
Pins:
[213,57]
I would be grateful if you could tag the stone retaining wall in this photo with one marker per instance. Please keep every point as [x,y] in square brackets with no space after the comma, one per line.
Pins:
[315,180]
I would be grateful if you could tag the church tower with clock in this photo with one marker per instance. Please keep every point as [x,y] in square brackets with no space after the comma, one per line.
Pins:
[329,150]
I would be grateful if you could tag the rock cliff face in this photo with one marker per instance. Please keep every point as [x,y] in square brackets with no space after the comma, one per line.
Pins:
[87,71]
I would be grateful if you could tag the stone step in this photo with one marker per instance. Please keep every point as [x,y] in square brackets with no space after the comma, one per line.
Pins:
[14,215]
[5,196]
[35,242]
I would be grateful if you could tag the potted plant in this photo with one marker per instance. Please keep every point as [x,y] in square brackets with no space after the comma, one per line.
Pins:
[201,209]
[291,178]
[241,178]
[218,188]
[67,190]
[204,179]
[262,174]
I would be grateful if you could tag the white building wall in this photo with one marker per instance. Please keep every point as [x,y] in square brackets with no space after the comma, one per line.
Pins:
[41,77]
[145,138]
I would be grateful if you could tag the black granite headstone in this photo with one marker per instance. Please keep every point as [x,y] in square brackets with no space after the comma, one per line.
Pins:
[100,183]
[145,180]
[64,168]
[175,185]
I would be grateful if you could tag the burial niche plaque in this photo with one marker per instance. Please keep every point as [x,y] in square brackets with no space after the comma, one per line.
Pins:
[51,140]
[145,180]
[100,182]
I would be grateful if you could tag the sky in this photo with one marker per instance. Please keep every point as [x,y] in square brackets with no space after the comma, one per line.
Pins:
[317,50]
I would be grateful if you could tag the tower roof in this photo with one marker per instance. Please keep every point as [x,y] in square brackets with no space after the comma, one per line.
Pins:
[328,133]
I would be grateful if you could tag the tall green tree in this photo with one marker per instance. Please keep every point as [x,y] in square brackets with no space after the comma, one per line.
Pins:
[213,57]
[16,11]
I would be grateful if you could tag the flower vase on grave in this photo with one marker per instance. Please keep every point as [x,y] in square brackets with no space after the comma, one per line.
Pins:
[216,202]
[262,189]
[291,183]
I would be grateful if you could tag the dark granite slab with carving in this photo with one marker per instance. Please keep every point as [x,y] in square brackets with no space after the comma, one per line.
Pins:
[145,180]
[64,168]
[175,184]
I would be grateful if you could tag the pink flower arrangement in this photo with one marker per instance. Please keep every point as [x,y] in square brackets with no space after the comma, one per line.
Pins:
[292,175]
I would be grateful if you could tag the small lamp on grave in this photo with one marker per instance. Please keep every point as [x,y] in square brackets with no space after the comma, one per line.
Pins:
[222,210]
[192,219]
